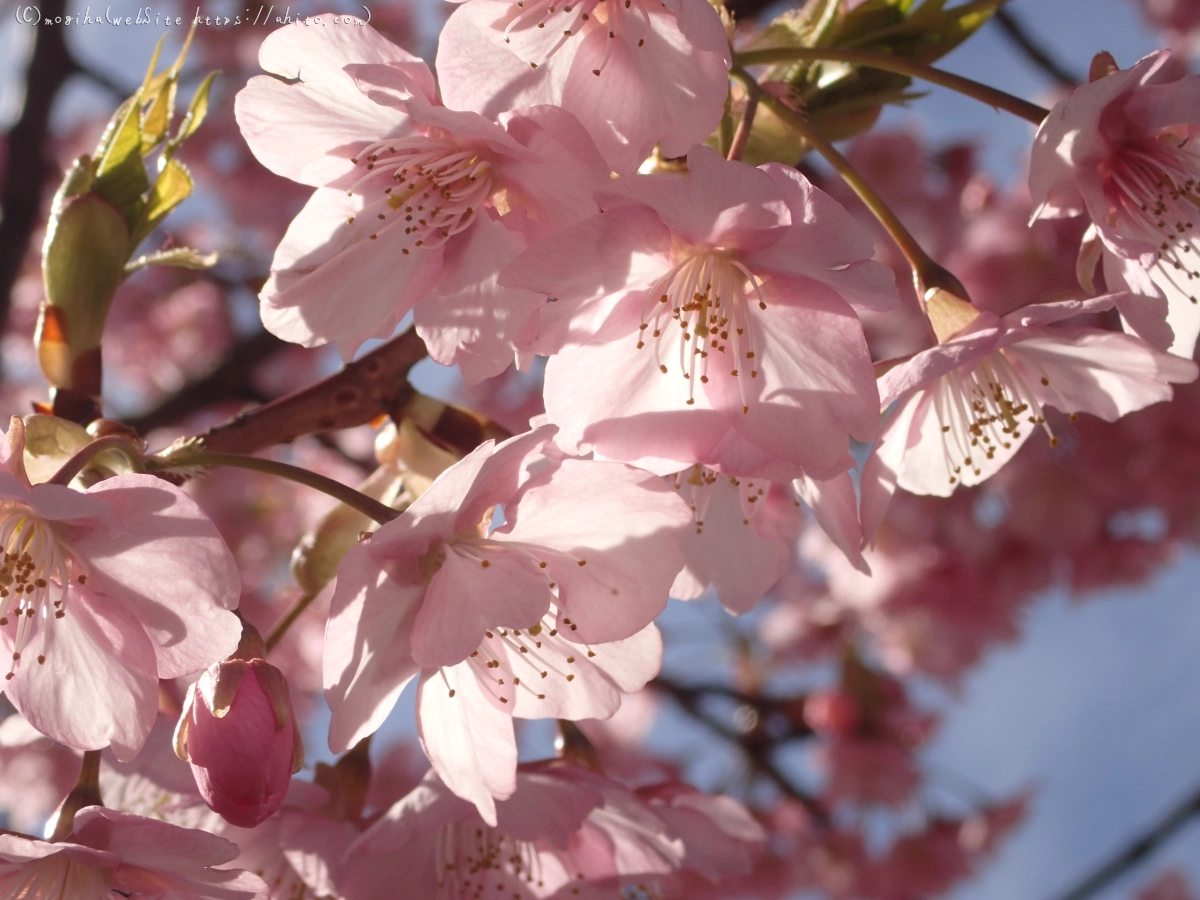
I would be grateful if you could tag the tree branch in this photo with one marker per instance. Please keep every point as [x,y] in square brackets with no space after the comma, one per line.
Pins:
[230,380]
[1141,847]
[375,385]
[758,748]
[1016,32]
[26,167]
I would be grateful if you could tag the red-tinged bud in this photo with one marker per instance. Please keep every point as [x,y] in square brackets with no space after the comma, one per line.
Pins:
[832,713]
[239,734]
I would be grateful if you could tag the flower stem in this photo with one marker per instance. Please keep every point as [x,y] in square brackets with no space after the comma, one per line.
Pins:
[998,99]
[288,620]
[85,793]
[742,136]
[926,273]
[86,454]
[187,456]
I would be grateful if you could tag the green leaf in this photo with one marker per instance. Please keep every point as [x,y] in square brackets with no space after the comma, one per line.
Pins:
[197,110]
[157,119]
[171,188]
[184,257]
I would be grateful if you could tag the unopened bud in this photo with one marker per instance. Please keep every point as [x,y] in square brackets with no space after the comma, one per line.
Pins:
[238,732]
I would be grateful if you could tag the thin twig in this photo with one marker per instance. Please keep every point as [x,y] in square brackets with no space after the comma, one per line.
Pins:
[27,164]
[1016,32]
[742,136]
[759,753]
[1137,850]
[993,97]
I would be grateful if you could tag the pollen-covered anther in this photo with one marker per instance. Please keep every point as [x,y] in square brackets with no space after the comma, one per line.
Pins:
[709,295]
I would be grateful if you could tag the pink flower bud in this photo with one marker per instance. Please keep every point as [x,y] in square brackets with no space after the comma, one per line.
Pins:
[239,734]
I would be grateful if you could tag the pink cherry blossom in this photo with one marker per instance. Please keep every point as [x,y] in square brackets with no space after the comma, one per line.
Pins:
[102,593]
[746,530]
[564,829]
[547,615]
[1121,150]
[239,733]
[964,407]
[116,852]
[634,73]
[707,319]
[405,216]
[1170,885]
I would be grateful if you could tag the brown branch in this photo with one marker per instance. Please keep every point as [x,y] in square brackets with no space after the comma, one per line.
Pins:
[27,167]
[375,385]
[1138,849]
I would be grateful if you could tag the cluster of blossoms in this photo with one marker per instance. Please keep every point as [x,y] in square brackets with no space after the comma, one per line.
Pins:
[713,361]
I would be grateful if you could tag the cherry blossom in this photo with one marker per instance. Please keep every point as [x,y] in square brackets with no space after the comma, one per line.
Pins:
[563,829]
[635,73]
[707,319]
[1119,149]
[547,615]
[116,852]
[746,529]
[405,216]
[964,407]
[103,593]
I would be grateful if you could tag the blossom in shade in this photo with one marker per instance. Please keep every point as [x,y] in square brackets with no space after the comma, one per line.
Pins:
[964,407]
[707,319]
[240,735]
[745,530]
[1121,150]
[547,615]
[635,73]
[115,853]
[102,593]
[417,206]
[564,832]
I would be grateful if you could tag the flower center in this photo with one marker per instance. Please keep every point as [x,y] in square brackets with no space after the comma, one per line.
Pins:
[539,28]
[55,877]
[477,861]
[35,573]
[1154,193]
[700,484]
[982,412]
[707,295]
[424,185]
[516,659]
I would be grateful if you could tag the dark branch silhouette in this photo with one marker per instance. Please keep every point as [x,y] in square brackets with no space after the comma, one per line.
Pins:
[1137,850]
[1016,32]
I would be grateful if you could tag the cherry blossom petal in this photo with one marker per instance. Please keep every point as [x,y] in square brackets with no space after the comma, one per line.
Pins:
[367,661]
[614,528]
[469,319]
[476,588]
[667,92]
[835,508]
[166,560]
[308,131]
[469,741]
[324,254]
[815,385]
[98,686]
[1102,373]
[721,203]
